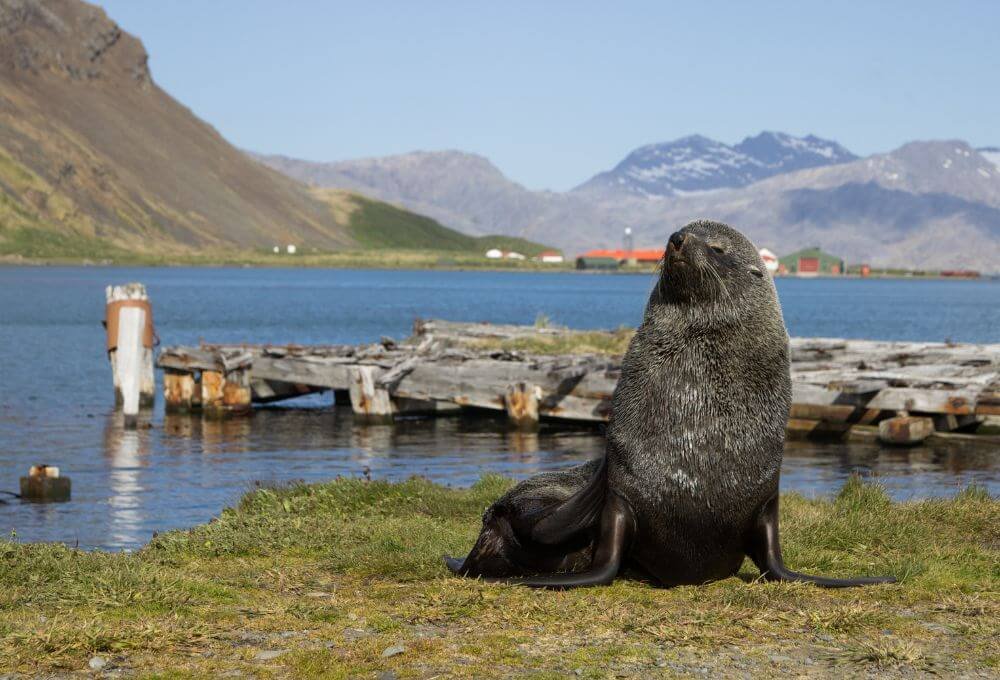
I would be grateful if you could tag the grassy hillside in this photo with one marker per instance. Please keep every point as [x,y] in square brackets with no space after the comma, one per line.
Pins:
[374,224]
[345,579]
[98,162]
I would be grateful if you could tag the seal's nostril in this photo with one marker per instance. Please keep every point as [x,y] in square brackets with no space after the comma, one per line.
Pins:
[677,239]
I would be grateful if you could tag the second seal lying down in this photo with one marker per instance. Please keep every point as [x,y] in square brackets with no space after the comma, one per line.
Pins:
[688,485]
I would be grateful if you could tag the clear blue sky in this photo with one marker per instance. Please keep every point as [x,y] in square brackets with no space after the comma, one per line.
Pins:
[554,92]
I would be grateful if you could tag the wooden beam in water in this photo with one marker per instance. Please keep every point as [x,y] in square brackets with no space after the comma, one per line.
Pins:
[837,384]
[369,401]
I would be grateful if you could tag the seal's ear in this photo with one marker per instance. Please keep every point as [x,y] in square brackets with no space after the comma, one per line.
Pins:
[757,272]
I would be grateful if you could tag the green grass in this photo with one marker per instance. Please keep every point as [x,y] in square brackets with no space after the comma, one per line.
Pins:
[332,575]
[43,244]
[376,225]
[568,342]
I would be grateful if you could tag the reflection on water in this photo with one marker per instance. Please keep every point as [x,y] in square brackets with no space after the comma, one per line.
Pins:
[126,451]
[182,470]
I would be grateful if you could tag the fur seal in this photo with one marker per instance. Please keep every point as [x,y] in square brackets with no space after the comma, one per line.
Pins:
[688,484]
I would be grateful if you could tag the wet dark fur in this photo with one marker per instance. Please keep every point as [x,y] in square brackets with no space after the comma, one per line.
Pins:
[695,443]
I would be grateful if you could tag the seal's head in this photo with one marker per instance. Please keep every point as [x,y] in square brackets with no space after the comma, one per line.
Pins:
[711,265]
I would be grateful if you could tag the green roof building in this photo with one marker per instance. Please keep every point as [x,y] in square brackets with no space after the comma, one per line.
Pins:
[585,262]
[811,262]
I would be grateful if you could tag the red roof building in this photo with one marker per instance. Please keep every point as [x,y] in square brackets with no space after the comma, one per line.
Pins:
[647,256]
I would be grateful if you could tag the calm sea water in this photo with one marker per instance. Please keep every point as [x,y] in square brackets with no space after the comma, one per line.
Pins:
[56,400]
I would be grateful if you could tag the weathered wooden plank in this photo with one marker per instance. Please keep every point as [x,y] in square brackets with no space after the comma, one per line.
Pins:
[368,400]
[572,407]
[905,430]
[835,381]
[330,373]
[267,391]
[957,402]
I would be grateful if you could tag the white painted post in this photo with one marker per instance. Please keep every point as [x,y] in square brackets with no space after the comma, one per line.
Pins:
[128,360]
[132,295]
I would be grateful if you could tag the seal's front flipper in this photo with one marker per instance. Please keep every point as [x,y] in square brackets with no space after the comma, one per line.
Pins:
[560,522]
[765,551]
[617,527]
[454,564]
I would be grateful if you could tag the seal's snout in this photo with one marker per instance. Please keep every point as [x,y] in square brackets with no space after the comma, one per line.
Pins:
[677,240]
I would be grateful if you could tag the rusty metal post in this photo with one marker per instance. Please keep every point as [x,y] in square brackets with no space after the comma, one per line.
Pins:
[905,430]
[43,483]
[369,402]
[181,391]
[521,402]
[225,393]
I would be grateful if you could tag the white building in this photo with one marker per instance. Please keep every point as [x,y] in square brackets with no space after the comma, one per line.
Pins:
[290,249]
[551,257]
[514,256]
[770,260]
[494,253]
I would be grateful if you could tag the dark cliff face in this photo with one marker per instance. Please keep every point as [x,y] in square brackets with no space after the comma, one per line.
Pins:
[68,38]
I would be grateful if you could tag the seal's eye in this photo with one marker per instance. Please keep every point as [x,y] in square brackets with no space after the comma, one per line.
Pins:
[756,272]
[717,249]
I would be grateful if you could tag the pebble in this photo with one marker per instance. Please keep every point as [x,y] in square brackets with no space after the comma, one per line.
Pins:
[97,663]
[355,633]
[387,675]
[937,628]
[780,658]
[268,654]
[393,651]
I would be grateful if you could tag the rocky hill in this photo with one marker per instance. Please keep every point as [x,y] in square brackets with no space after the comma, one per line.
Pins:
[462,190]
[96,159]
[698,163]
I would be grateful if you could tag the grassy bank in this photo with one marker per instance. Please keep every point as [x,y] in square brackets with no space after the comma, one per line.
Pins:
[88,254]
[345,580]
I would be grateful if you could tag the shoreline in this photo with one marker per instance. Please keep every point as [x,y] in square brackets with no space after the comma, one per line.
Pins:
[7,261]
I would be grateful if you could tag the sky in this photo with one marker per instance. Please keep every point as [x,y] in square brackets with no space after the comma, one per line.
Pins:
[554,92]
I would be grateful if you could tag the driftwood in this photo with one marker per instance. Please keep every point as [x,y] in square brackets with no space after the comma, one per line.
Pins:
[839,383]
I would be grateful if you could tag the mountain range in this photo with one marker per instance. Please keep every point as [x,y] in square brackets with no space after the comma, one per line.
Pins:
[697,163]
[928,205]
[95,157]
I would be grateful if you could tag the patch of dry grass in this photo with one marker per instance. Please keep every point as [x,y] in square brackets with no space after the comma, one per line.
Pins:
[327,579]
[613,343]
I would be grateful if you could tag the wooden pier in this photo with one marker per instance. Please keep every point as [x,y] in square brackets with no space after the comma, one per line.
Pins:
[900,391]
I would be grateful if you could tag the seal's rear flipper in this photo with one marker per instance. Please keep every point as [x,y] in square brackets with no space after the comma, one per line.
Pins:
[560,522]
[454,564]
[617,527]
[765,551]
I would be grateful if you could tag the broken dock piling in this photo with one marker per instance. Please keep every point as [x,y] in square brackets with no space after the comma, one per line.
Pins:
[840,387]
[128,320]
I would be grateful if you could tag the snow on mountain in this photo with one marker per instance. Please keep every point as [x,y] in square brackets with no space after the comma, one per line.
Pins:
[697,163]
[992,154]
